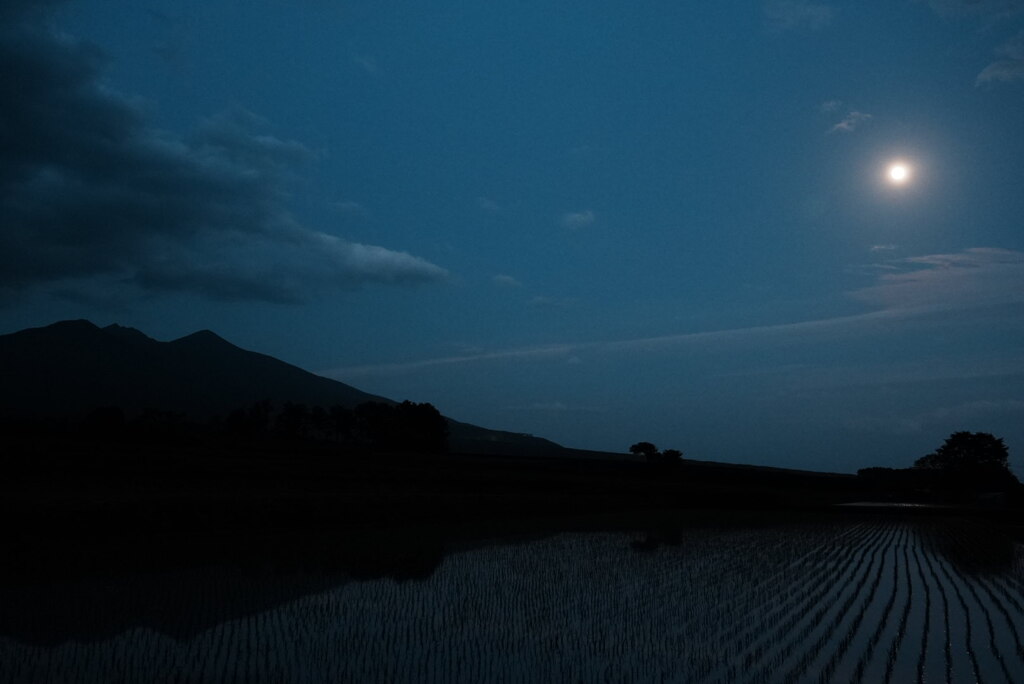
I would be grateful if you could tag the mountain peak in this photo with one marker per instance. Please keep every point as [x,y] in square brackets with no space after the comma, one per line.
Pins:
[124,332]
[202,337]
[70,368]
[76,325]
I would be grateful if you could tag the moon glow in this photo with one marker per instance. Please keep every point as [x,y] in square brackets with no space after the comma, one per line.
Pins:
[898,173]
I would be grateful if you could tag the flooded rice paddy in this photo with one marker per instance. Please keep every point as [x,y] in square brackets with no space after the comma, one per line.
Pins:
[852,598]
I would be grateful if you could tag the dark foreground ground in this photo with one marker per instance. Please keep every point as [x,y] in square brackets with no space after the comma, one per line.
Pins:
[268,485]
[266,500]
[78,507]
[84,521]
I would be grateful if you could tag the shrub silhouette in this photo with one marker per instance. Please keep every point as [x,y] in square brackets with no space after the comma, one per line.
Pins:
[650,452]
[422,427]
[407,426]
[293,421]
[966,451]
[645,449]
[969,462]
[671,455]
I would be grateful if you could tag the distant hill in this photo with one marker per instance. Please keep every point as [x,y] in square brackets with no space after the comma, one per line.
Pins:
[72,367]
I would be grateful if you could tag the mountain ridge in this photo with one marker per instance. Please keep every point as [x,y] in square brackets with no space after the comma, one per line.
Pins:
[68,368]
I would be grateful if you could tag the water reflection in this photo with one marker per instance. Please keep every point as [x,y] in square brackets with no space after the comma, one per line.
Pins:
[696,598]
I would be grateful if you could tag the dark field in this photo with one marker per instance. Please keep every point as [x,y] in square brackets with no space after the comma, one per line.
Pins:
[695,596]
[273,565]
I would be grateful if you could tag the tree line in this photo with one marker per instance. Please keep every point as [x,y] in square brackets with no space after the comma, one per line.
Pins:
[377,426]
[408,426]
[652,454]
[967,465]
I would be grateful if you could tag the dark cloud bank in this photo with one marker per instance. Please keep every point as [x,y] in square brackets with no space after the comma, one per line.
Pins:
[90,191]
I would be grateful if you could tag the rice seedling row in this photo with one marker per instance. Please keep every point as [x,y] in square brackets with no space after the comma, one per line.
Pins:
[854,590]
[740,642]
[824,598]
[874,600]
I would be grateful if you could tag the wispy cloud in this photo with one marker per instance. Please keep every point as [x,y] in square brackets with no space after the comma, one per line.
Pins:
[977,277]
[549,406]
[488,205]
[883,248]
[506,281]
[788,15]
[850,122]
[556,407]
[366,63]
[350,207]
[974,279]
[571,351]
[1002,70]
[992,16]
[546,302]
[830,106]
[549,351]
[1010,67]
[996,10]
[974,409]
[578,219]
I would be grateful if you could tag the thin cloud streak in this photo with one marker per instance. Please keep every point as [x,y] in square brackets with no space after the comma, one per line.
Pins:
[578,219]
[975,279]
[1010,68]
[817,377]
[635,344]
[502,280]
[850,122]
[398,368]
[788,15]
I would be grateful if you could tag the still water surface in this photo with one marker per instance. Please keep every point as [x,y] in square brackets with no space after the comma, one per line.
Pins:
[854,598]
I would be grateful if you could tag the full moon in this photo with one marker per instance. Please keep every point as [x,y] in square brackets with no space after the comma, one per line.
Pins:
[899,173]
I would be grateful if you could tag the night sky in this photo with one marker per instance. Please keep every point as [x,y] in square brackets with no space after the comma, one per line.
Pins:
[596,222]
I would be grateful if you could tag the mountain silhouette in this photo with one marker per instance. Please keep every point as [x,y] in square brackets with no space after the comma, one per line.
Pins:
[70,368]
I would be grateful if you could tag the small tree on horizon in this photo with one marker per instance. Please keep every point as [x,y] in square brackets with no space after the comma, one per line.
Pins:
[672,455]
[650,452]
[968,451]
[645,449]
[969,462]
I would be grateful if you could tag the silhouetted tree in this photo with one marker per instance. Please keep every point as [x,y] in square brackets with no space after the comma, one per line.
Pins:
[250,421]
[293,421]
[672,455]
[407,426]
[259,413]
[898,484]
[969,462]
[645,449]
[319,421]
[967,451]
[375,423]
[651,453]
[421,427]
[343,423]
